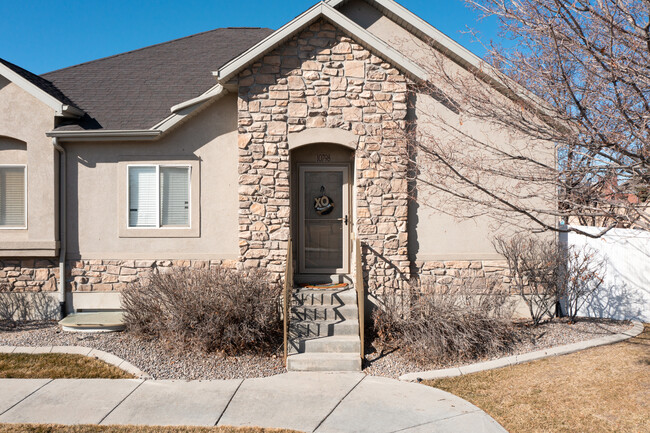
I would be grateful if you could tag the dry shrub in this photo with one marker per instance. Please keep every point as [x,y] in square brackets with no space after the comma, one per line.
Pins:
[535,264]
[447,324]
[547,274]
[215,310]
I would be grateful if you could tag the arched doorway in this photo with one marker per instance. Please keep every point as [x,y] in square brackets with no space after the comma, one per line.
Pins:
[322,178]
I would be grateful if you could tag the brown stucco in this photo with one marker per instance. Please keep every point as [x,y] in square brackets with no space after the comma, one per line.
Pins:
[98,192]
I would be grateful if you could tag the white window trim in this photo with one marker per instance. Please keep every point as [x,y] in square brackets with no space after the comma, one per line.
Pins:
[158,216]
[24,227]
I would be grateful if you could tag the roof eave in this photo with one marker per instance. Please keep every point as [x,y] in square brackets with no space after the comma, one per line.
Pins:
[60,109]
[179,113]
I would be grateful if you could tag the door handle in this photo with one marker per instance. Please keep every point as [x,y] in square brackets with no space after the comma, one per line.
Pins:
[344,219]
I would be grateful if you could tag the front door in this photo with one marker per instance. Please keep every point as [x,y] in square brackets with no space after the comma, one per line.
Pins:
[323,219]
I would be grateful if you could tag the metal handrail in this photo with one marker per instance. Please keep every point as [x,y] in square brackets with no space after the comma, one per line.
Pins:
[288,289]
[361,296]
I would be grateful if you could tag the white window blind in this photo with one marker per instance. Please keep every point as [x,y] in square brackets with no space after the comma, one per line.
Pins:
[159,196]
[174,196]
[143,197]
[12,196]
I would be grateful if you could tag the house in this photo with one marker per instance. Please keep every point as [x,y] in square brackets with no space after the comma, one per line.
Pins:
[217,148]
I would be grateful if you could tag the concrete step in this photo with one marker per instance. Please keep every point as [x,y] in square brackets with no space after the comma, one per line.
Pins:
[324,297]
[324,312]
[323,328]
[332,344]
[324,362]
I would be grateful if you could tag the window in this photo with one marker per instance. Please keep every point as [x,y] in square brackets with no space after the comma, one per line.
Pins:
[12,196]
[158,196]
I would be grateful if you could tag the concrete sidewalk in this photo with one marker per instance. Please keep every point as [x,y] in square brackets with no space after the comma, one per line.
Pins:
[309,402]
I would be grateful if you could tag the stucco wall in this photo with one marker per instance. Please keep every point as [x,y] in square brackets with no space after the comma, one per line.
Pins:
[24,120]
[435,236]
[97,193]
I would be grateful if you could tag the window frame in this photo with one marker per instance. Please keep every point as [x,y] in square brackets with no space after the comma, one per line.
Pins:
[23,227]
[121,207]
[159,226]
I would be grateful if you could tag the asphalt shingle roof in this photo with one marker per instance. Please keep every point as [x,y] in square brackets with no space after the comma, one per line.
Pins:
[136,89]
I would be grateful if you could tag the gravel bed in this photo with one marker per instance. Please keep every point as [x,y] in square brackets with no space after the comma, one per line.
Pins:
[160,362]
[152,357]
[550,334]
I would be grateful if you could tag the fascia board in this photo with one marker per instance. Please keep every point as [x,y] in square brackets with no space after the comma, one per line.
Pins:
[375,44]
[49,100]
[106,135]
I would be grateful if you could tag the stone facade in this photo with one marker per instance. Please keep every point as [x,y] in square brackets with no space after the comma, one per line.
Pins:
[114,275]
[457,273]
[35,275]
[322,78]
[28,275]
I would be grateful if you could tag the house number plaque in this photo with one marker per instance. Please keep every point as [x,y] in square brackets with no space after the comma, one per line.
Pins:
[323,157]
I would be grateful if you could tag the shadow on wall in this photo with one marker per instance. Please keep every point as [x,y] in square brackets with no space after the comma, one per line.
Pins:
[625,292]
[20,307]
[615,301]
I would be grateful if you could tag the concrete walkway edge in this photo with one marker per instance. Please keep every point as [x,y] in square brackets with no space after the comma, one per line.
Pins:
[307,402]
[637,328]
[108,358]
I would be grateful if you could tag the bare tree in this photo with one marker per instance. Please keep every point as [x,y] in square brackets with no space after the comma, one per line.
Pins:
[567,135]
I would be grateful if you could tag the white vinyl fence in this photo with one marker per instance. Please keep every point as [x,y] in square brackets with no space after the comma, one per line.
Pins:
[625,292]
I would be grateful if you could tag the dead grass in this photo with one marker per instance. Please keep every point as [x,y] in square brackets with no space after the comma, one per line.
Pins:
[604,389]
[56,428]
[56,366]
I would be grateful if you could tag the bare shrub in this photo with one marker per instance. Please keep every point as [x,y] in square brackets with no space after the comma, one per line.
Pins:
[219,309]
[580,277]
[535,265]
[442,324]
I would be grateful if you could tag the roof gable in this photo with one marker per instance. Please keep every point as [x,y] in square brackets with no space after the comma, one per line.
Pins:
[42,89]
[319,11]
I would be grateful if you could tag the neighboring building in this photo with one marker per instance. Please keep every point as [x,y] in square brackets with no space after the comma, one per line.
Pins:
[249,156]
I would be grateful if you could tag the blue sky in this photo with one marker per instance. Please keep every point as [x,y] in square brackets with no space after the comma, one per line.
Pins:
[44,35]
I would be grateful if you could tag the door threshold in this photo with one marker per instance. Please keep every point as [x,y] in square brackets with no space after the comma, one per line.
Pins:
[322,278]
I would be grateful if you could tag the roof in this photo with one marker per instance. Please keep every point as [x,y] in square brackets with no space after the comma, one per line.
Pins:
[135,90]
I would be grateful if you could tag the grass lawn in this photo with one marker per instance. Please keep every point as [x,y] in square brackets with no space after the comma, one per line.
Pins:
[54,428]
[56,366]
[604,389]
